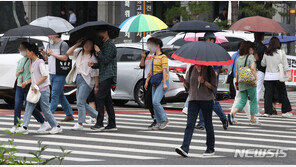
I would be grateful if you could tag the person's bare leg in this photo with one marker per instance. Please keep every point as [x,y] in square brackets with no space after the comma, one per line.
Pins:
[234,112]
[92,104]
[253,118]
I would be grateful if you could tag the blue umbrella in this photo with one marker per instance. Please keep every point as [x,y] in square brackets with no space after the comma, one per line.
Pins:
[283,39]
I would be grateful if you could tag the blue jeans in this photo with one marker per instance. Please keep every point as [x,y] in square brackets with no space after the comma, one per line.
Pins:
[20,97]
[57,94]
[83,91]
[44,104]
[157,95]
[193,110]
[217,109]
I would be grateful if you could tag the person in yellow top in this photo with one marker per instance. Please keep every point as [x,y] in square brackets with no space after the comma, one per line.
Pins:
[158,77]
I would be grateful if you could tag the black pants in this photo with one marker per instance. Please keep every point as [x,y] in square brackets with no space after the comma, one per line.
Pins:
[270,87]
[148,99]
[103,98]
[194,107]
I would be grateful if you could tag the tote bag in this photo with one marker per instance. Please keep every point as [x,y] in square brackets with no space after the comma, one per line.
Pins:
[33,97]
[245,75]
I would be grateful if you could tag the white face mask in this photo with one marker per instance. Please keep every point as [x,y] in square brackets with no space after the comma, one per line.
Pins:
[153,49]
[23,53]
[149,47]
[51,42]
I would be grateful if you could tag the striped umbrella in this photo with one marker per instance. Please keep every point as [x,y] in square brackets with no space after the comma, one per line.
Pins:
[142,23]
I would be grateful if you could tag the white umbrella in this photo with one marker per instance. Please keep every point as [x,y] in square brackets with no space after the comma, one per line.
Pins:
[59,25]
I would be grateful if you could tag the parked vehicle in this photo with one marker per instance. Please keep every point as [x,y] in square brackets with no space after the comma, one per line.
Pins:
[9,56]
[130,76]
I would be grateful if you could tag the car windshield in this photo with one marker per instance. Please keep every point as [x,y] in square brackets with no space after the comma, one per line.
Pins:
[168,52]
[165,36]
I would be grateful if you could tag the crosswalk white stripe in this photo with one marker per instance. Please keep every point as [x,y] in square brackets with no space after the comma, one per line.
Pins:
[238,115]
[120,141]
[228,137]
[80,152]
[215,118]
[246,124]
[125,119]
[273,131]
[138,127]
[67,158]
[120,124]
[100,146]
[155,144]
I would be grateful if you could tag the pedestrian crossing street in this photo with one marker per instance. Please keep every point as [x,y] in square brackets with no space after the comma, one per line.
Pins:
[134,142]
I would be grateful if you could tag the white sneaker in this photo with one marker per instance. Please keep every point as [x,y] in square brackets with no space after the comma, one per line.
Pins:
[56,130]
[185,110]
[44,127]
[91,121]
[266,115]
[22,130]
[77,127]
[287,115]
[13,129]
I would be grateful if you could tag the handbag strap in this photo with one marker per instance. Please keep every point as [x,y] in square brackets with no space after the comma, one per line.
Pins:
[152,64]
[281,56]
[246,60]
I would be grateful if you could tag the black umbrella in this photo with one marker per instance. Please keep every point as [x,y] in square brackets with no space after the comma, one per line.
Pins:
[195,26]
[89,30]
[29,30]
[288,27]
[203,53]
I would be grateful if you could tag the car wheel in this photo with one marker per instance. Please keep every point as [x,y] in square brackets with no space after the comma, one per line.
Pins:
[9,101]
[139,94]
[120,102]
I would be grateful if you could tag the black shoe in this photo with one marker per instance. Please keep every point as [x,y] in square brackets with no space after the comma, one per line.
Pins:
[200,127]
[153,124]
[181,152]
[225,124]
[97,127]
[110,128]
[209,152]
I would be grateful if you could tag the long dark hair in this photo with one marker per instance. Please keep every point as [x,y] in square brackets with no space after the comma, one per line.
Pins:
[273,46]
[92,52]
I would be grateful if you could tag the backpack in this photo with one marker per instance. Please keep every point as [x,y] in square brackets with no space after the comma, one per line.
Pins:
[63,67]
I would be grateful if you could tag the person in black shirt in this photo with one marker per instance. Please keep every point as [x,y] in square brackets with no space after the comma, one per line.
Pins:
[258,53]
[63,15]
[223,15]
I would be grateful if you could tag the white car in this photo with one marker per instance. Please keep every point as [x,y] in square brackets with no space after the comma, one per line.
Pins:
[9,56]
[130,76]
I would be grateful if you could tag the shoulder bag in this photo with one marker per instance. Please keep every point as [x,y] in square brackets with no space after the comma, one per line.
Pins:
[283,76]
[156,79]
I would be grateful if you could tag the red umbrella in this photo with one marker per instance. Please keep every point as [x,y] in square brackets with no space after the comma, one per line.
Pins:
[257,24]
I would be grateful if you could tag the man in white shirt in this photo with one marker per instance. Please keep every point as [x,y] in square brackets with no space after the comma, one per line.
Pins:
[72,17]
